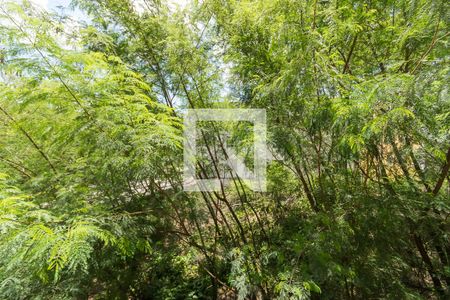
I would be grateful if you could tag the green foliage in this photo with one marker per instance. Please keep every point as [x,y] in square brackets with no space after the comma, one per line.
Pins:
[356,95]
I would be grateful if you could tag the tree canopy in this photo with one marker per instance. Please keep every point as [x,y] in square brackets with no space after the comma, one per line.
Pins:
[92,204]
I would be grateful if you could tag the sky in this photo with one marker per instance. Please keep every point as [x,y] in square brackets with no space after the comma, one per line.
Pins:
[42,3]
[57,5]
[53,4]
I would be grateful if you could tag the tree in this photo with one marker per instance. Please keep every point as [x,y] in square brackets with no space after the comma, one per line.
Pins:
[91,115]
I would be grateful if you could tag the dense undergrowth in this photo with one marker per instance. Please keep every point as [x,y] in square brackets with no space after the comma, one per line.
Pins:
[91,150]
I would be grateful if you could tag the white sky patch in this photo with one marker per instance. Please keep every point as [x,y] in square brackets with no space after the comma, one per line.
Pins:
[173,5]
[41,3]
[139,6]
